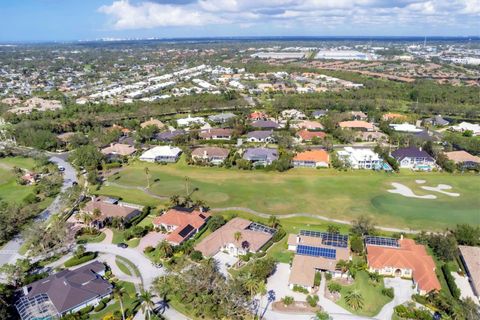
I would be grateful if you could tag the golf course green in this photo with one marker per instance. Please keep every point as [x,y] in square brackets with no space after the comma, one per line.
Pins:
[327,192]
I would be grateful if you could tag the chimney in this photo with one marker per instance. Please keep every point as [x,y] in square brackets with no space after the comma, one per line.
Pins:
[401,236]
[420,148]
[298,239]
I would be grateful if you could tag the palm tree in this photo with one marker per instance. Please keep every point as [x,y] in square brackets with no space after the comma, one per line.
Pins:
[118,293]
[354,299]
[147,173]
[343,266]
[251,284]
[273,221]
[165,249]
[145,298]
[175,200]
[237,236]
[97,213]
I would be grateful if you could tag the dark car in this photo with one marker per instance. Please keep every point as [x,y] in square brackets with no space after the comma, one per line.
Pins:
[122,245]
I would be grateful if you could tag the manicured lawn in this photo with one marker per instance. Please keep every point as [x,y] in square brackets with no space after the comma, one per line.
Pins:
[10,190]
[87,238]
[341,195]
[373,300]
[121,265]
[129,302]
[132,243]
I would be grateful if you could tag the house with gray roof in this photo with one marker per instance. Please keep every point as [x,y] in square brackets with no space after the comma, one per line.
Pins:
[64,292]
[319,113]
[213,155]
[265,124]
[436,120]
[414,158]
[261,136]
[261,156]
[169,136]
[221,117]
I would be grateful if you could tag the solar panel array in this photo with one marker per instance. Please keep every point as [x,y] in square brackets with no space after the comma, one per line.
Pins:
[382,241]
[317,252]
[261,228]
[328,239]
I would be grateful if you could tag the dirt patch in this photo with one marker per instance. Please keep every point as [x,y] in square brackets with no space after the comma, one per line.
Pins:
[296,307]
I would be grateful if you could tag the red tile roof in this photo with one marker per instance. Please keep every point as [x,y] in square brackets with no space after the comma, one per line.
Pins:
[181,219]
[309,135]
[409,256]
[313,155]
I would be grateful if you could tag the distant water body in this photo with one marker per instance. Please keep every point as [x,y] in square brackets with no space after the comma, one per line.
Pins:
[274,39]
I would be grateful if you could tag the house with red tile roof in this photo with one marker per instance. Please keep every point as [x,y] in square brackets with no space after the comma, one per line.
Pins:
[407,260]
[237,237]
[181,224]
[257,115]
[311,159]
[306,135]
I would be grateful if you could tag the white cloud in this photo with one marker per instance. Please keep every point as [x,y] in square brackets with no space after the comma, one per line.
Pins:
[150,15]
[355,14]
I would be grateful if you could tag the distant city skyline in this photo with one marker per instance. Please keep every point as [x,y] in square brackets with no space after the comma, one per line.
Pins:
[60,20]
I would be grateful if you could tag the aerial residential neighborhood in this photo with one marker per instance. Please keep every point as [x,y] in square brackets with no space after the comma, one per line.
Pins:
[239,160]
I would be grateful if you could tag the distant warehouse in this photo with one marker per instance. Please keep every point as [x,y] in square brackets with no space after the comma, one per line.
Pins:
[343,55]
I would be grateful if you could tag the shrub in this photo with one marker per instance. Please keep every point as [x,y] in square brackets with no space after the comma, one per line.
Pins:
[312,300]
[99,307]
[76,261]
[328,276]
[86,310]
[279,235]
[334,287]
[149,249]
[388,292]
[301,289]
[317,279]
[216,222]
[287,300]
[451,282]
[196,255]
[106,300]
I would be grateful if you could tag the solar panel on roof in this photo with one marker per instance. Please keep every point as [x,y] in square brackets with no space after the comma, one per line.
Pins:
[261,228]
[186,231]
[329,239]
[317,252]
[382,241]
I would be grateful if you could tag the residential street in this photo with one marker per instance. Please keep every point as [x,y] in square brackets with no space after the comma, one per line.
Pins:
[9,252]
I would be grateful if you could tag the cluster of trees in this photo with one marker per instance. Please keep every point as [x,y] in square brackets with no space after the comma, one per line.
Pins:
[205,293]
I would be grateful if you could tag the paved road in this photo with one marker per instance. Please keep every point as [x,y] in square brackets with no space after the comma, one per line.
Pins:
[9,253]
[147,271]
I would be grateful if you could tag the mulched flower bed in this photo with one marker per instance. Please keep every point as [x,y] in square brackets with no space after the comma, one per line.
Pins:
[296,307]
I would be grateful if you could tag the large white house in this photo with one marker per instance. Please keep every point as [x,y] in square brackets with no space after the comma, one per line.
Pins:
[188,121]
[405,127]
[361,158]
[414,158]
[161,154]
[466,126]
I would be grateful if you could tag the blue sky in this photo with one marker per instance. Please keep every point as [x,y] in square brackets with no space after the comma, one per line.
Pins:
[39,20]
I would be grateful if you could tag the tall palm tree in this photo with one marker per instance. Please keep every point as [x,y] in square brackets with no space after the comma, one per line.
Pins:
[145,298]
[354,299]
[118,293]
[165,248]
[262,291]
[343,266]
[237,236]
[175,200]
[251,284]
[147,173]
[273,221]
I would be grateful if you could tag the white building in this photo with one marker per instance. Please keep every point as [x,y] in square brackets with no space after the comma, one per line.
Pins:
[188,121]
[466,126]
[405,127]
[161,154]
[360,158]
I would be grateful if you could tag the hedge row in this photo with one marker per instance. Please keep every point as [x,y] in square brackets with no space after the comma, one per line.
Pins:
[76,261]
[451,282]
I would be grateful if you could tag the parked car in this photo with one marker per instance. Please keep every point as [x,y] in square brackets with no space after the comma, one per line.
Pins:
[122,245]
[61,169]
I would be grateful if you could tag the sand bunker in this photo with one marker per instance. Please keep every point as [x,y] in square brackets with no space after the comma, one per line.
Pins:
[407,192]
[440,188]
[420,181]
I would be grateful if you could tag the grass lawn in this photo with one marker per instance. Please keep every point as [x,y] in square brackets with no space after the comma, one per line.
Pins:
[129,302]
[373,300]
[341,195]
[87,238]
[10,190]
[132,243]
[121,265]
